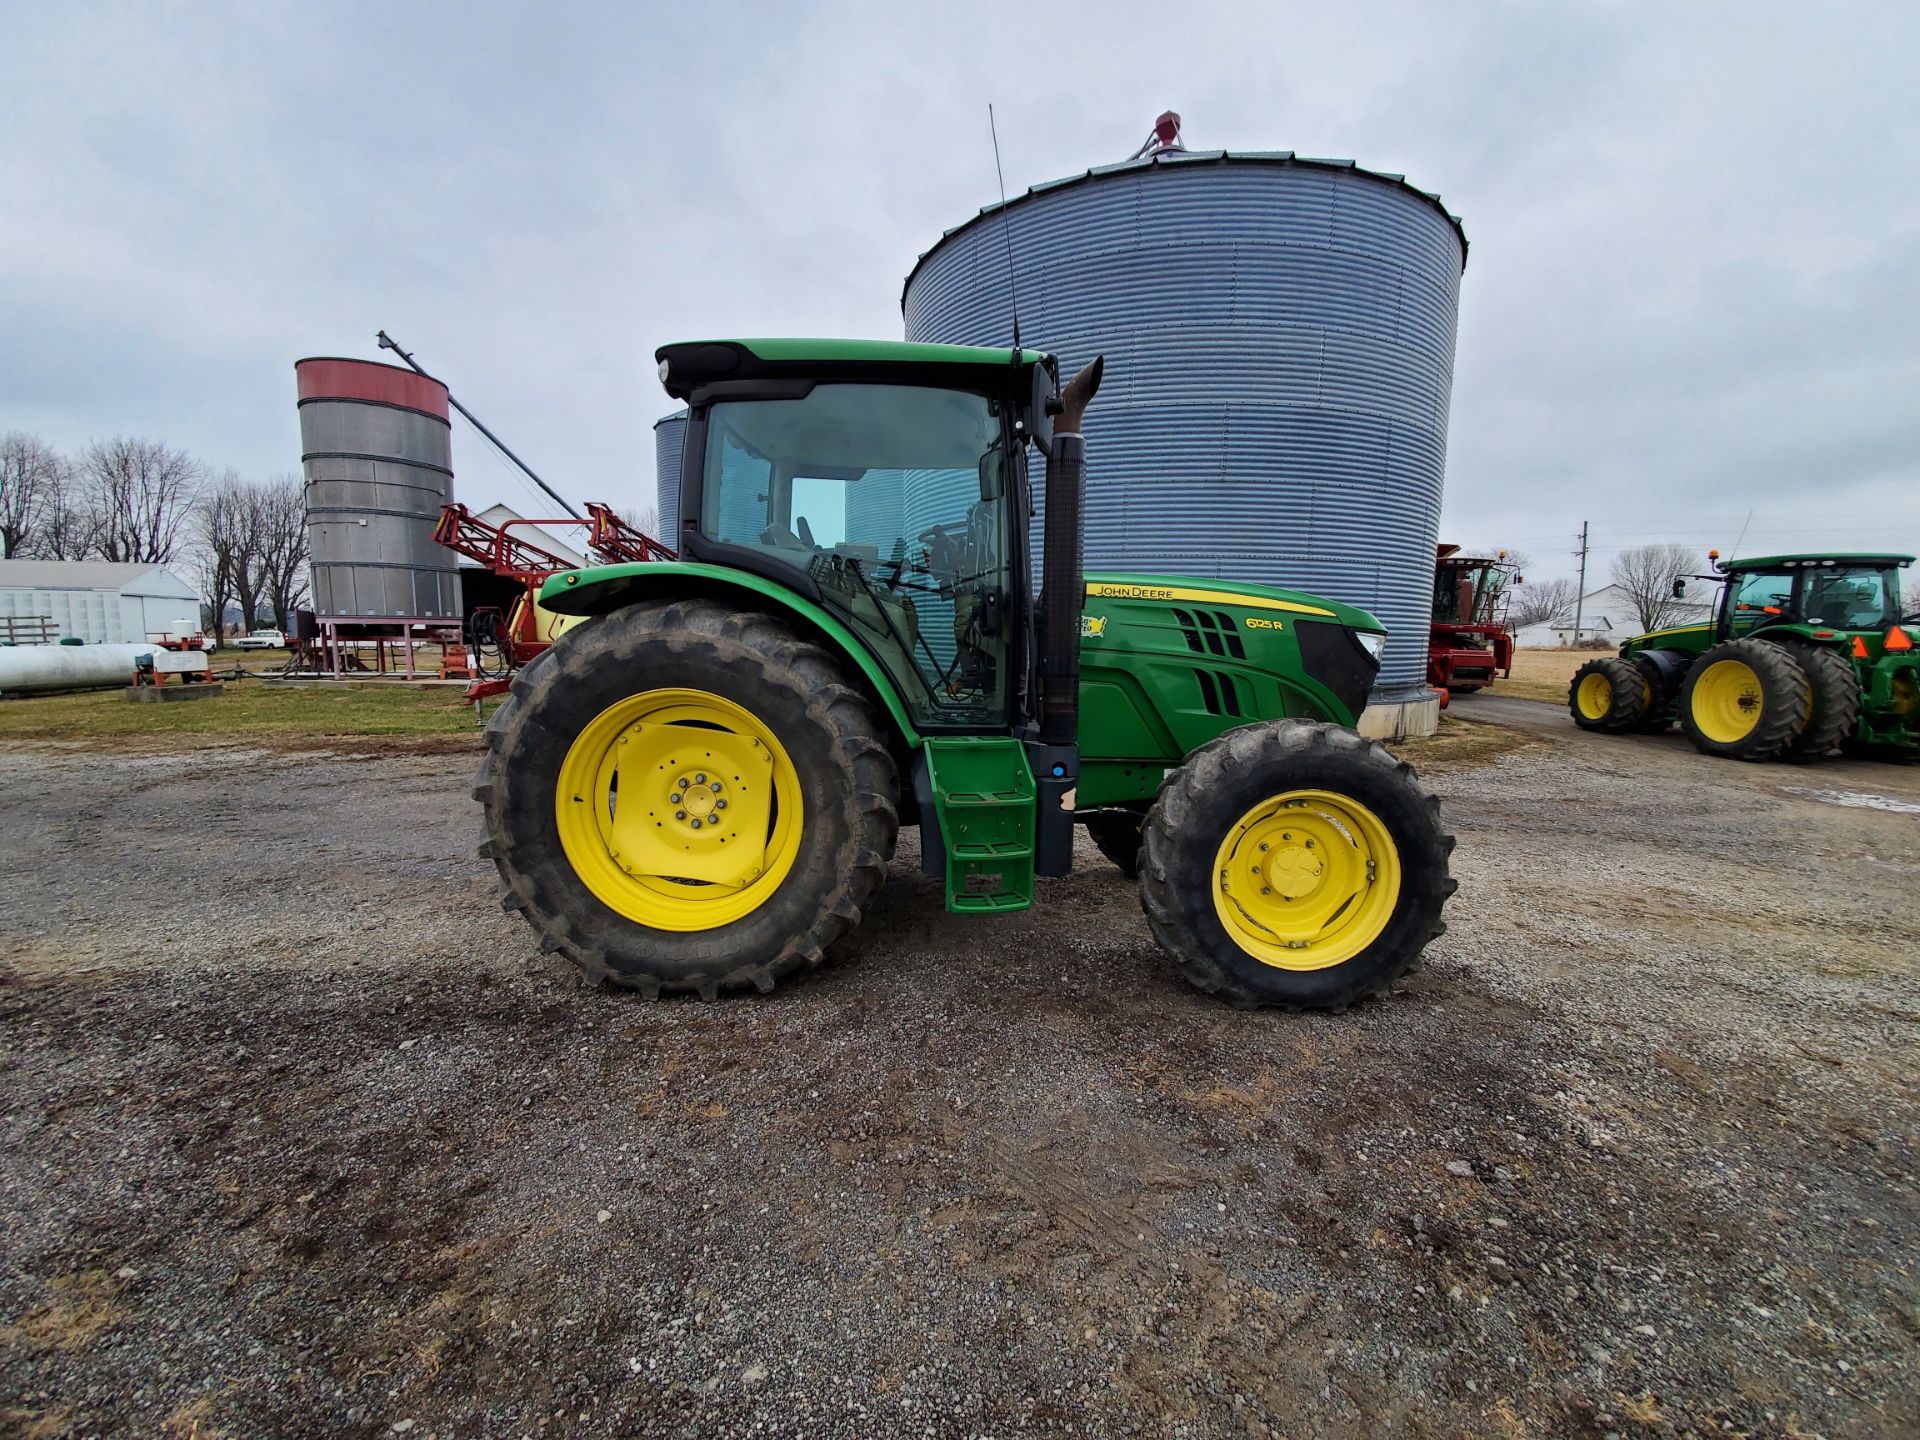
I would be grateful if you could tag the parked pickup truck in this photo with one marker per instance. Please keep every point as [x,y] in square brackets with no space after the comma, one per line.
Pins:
[261,640]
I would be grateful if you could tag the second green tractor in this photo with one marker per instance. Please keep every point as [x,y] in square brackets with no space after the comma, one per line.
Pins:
[699,787]
[1804,655]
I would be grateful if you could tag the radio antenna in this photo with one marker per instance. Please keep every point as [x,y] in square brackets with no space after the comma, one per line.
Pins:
[1734,553]
[1006,225]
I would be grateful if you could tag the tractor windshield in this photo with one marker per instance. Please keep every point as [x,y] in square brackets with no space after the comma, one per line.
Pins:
[1844,597]
[888,497]
[1852,599]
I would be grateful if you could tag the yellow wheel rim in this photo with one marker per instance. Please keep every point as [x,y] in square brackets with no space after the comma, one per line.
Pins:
[1594,696]
[1727,700]
[1306,880]
[679,809]
[1905,692]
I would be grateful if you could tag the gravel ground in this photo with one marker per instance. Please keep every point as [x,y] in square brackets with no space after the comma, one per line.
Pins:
[336,1154]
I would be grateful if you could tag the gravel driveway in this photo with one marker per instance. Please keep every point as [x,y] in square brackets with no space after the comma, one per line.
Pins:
[300,1138]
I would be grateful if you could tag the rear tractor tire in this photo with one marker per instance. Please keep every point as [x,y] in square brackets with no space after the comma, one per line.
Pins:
[1835,717]
[686,797]
[1116,835]
[1294,864]
[1609,696]
[1745,700]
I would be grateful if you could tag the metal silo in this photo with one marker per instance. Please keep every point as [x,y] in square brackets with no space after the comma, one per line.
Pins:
[1279,335]
[376,450]
[669,446]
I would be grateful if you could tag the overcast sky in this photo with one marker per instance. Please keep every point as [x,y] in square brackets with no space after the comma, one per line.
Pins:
[1694,286]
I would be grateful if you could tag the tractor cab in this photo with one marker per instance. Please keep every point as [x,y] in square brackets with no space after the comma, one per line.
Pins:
[1469,641]
[1852,594]
[883,490]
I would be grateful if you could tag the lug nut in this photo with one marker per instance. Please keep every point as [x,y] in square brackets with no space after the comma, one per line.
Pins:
[719,804]
[696,824]
[679,814]
[699,779]
[683,782]
[673,798]
[715,787]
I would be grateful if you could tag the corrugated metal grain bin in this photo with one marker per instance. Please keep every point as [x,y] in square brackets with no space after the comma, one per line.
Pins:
[377,452]
[1279,335]
[669,446]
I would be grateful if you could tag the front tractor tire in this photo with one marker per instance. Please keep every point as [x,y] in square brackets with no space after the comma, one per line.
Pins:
[1294,864]
[1609,696]
[681,796]
[1746,700]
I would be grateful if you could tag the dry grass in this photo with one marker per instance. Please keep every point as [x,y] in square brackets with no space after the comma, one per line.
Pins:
[250,710]
[1459,743]
[1542,674]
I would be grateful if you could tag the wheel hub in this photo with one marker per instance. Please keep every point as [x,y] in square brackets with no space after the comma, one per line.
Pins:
[1294,870]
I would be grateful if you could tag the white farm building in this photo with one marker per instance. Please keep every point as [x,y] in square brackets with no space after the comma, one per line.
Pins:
[1609,614]
[98,601]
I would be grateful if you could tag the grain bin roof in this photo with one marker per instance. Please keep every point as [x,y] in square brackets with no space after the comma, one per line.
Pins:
[1175,158]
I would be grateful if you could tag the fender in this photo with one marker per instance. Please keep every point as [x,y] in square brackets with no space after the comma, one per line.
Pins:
[600,589]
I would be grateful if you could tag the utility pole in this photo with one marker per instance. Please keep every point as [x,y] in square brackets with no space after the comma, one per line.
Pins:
[1580,599]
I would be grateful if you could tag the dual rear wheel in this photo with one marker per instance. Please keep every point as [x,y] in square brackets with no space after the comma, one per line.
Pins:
[1749,699]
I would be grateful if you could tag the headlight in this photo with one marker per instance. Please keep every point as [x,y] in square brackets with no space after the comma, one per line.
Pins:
[1372,641]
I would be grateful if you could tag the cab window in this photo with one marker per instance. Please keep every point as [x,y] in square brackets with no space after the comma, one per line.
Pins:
[890,499]
[1850,599]
[1760,597]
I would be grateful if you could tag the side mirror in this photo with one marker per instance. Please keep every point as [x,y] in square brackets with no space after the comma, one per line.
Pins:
[1679,587]
[992,482]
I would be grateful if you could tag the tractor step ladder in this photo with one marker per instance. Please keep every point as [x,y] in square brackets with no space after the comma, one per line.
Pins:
[983,796]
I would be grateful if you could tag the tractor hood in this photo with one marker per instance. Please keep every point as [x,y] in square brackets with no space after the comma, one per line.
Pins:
[1194,590]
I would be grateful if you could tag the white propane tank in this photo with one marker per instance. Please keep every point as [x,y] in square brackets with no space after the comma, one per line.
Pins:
[25,668]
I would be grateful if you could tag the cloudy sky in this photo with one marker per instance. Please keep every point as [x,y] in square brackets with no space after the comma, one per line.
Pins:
[1693,294]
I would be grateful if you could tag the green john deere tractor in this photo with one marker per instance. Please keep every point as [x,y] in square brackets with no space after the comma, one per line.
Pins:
[699,788]
[1805,654]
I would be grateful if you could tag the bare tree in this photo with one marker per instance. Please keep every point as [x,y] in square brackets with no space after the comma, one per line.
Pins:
[1645,574]
[138,496]
[280,537]
[31,486]
[1541,602]
[222,536]
[643,518]
[66,528]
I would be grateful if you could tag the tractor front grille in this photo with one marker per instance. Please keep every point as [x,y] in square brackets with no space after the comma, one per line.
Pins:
[1331,655]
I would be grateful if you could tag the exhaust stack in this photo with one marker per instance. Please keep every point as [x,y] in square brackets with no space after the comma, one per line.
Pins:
[1055,756]
[1063,556]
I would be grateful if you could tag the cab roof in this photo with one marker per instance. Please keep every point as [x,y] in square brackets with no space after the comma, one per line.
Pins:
[689,364]
[1795,562]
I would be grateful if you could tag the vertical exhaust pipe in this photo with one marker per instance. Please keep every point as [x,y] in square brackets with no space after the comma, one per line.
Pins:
[1055,756]
[1063,556]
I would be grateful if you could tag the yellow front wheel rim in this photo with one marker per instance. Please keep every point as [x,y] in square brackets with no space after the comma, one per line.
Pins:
[1727,701]
[711,820]
[1306,880]
[1595,696]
